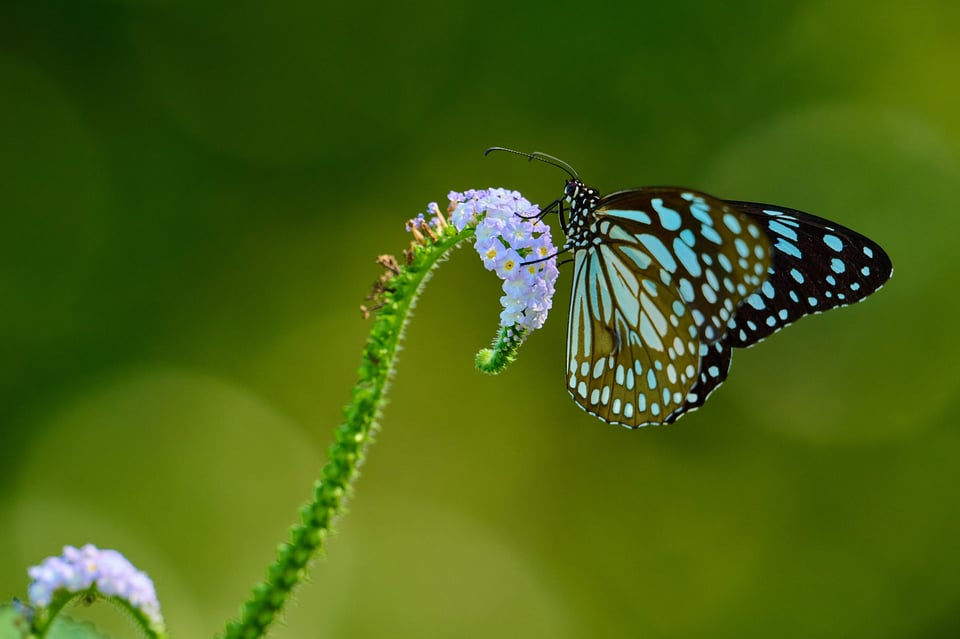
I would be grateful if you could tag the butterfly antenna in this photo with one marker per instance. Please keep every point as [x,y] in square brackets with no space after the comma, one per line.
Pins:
[539,217]
[549,257]
[542,157]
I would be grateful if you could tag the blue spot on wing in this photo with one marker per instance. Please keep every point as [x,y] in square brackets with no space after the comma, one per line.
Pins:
[782,230]
[711,234]
[836,243]
[659,251]
[669,219]
[732,223]
[687,257]
[635,216]
[788,247]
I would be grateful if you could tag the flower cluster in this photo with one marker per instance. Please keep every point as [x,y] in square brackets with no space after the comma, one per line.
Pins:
[512,242]
[79,569]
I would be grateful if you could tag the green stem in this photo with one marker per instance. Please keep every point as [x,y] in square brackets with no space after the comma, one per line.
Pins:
[508,341]
[44,622]
[398,294]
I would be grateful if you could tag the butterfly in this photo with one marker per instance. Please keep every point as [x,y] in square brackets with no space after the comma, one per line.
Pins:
[667,281]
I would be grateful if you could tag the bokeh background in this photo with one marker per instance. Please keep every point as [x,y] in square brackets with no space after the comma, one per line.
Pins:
[192,196]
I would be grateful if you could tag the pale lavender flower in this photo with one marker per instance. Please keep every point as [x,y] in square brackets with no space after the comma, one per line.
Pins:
[508,266]
[490,250]
[514,243]
[461,215]
[79,569]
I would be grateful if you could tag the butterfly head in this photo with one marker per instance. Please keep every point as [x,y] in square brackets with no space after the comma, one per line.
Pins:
[581,198]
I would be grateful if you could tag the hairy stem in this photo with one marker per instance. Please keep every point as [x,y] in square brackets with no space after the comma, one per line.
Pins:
[397,292]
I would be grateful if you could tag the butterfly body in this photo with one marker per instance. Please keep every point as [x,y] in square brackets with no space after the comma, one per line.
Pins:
[668,280]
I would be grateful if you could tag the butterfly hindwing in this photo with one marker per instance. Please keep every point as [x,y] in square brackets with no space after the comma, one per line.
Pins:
[714,366]
[817,265]
[628,361]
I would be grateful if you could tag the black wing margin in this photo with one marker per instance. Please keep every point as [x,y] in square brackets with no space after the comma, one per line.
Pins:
[817,265]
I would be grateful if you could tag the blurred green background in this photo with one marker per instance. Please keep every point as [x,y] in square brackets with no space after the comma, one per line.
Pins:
[192,196]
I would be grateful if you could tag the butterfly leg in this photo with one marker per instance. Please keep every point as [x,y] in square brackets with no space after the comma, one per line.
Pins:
[563,218]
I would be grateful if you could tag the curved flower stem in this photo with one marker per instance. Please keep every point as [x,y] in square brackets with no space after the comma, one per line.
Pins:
[151,628]
[398,291]
[508,341]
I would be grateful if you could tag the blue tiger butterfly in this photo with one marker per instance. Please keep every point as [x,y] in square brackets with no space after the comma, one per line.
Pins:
[667,281]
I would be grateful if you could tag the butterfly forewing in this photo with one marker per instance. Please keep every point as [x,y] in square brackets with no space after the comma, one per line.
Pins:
[715,255]
[659,274]
[817,265]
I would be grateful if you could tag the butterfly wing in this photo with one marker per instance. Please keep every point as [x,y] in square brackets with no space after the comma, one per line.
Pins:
[654,290]
[817,265]
[714,366]
[629,362]
[715,255]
